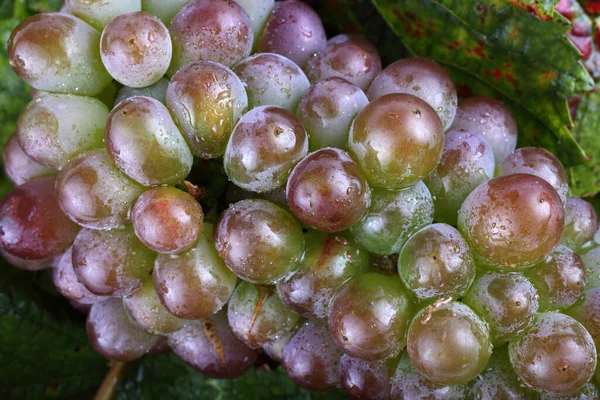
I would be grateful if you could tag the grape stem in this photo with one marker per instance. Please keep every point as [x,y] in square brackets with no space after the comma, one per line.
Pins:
[111,380]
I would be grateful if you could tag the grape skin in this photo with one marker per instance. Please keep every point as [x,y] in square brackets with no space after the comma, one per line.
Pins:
[164,10]
[258,11]
[66,282]
[28,265]
[18,166]
[157,91]
[587,312]
[361,379]
[591,260]
[98,14]
[581,223]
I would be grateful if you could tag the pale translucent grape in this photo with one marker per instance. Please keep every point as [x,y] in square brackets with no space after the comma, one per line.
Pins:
[99,13]
[581,223]
[157,91]
[18,166]
[164,10]
[258,11]
[66,282]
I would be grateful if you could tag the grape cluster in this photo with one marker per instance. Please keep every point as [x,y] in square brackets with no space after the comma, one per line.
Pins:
[378,235]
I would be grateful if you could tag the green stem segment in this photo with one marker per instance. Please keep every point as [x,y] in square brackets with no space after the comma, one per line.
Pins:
[111,380]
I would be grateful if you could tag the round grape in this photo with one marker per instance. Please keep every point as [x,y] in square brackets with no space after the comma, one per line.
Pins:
[136,49]
[539,162]
[157,91]
[490,119]
[467,161]
[55,128]
[587,312]
[591,260]
[512,222]
[327,191]
[145,143]
[32,226]
[210,30]
[329,261]
[58,52]
[559,280]
[436,262]
[98,14]
[556,356]
[111,263]
[258,11]
[164,10]
[507,301]
[94,193]
[29,265]
[275,348]
[448,343]
[113,335]
[18,166]
[419,77]
[66,282]
[293,30]
[362,379]
[206,100]
[272,79]
[393,217]
[265,145]
[259,241]
[327,111]
[194,284]
[397,140]
[581,223]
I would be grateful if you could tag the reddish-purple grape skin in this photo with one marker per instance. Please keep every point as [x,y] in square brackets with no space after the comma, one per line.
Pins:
[111,263]
[293,30]
[211,347]
[539,162]
[136,48]
[350,57]
[581,223]
[311,358]
[396,140]
[369,316]
[587,312]
[327,191]
[66,282]
[113,335]
[512,222]
[210,30]
[18,166]
[32,225]
[167,220]
[29,265]
[419,77]
[94,193]
[556,356]
[360,379]
[266,143]
[490,119]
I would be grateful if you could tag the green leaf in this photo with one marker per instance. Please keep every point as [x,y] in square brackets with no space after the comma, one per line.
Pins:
[167,377]
[44,351]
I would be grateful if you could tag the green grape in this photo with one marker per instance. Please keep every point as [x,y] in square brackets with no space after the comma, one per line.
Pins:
[467,161]
[490,119]
[559,280]
[18,166]
[512,222]
[539,162]
[369,316]
[327,191]
[206,100]
[448,343]
[272,79]
[257,315]
[167,220]
[145,310]
[311,358]
[157,91]
[275,348]
[136,49]
[164,10]
[587,312]
[194,284]
[145,143]
[57,52]
[581,223]
[556,356]
[349,57]
[98,14]
[408,384]
[397,140]
[393,217]
[419,77]
[113,335]
[588,392]
[436,262]
[361,379]
[329,261]
[507,301]
[56,127]
[258,11]
[264,146]
[210,30]
[591,260]
[259,241]
[498,381]
[327,110]
[111,263]
[94,193]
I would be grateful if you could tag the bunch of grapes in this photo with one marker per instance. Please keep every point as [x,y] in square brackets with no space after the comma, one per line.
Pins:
[376,235]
